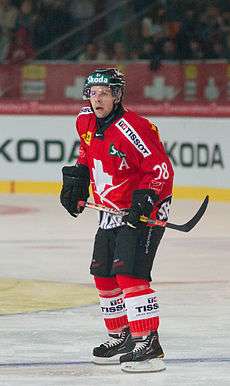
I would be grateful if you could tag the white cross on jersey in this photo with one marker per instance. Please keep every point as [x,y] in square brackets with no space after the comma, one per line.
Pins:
[101,178]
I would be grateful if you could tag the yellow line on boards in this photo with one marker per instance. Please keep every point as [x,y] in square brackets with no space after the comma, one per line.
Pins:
[33,187]
[199,192]
[180,192]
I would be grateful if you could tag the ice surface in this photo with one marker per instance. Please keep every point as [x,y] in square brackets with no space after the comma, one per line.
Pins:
[191,274]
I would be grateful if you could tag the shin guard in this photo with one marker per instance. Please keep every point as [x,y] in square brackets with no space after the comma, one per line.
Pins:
[112,304]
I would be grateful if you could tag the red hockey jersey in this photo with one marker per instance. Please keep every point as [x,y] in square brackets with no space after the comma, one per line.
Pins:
[130,156]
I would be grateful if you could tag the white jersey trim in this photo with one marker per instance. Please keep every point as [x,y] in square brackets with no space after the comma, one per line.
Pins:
[85,111]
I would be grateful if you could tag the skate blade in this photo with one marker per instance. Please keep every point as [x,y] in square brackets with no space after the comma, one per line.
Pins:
[115,360]
[152,365]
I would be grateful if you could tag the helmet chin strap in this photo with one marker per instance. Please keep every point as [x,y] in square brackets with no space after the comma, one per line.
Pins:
[116,103]
[118,96]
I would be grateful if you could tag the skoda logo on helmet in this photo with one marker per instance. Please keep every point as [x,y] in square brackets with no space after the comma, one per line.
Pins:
[98,79]
[110,77]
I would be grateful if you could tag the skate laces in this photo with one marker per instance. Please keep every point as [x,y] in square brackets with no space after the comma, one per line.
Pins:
[113,342]
[140,346]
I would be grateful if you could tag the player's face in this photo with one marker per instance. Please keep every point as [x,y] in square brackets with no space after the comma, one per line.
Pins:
[102,100]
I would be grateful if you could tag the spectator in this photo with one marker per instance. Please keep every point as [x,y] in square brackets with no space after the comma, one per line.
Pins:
[59,24]
[20,49]
[153,27]
[8,15]
[4,45]
[187,32]
[168,50]
[139,5]
[226,22]
[147,29]
[147,51]
[196,51]
[198,29]
[216,50]
[52,22]
[119,53]
[114,19]
[92,53]
[82,13]
[134,54]
[41,36]
[210,27]
[82,10]
[227,47]
[26,16]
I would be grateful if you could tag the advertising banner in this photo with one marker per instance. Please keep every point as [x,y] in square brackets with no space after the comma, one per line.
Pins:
[198,149]
[35,148]
[174,88]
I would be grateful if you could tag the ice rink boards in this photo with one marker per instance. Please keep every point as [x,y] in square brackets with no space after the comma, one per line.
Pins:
[49,315]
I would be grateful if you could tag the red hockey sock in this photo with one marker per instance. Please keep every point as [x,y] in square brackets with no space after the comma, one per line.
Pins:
[112,304]
[141,304]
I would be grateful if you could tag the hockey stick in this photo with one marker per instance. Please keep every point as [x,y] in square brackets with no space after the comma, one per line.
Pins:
[188,226]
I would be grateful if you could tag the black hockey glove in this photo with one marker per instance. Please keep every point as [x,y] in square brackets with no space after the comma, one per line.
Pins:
[75,188]
[142,205]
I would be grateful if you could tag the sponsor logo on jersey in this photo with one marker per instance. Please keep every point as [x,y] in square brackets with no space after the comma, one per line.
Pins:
[116,153]
[87,137]
[130,133]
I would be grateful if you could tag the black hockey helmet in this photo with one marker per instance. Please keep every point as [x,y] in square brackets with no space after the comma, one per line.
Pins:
[110,77]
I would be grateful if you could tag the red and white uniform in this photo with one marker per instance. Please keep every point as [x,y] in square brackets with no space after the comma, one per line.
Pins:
[130,156]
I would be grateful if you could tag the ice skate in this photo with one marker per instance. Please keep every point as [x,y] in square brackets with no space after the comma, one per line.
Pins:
[110,351]
[146,356]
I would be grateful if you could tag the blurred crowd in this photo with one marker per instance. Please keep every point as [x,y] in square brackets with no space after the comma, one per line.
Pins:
[100,30]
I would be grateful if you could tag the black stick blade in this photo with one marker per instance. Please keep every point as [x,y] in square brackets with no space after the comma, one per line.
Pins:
[188,226]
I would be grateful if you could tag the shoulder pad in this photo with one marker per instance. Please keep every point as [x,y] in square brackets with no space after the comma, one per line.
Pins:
[142,124]
[83,120]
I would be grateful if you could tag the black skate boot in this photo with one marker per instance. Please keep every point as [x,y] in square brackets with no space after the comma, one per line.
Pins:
[145,357]
[110,351]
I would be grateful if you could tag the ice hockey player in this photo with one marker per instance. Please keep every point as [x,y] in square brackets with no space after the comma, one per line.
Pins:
[123,158]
